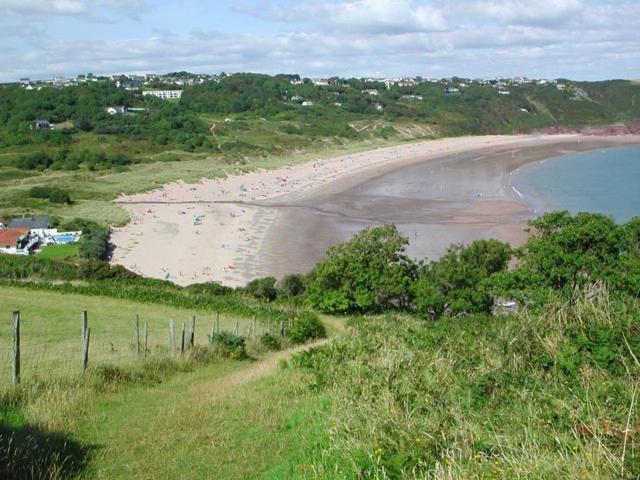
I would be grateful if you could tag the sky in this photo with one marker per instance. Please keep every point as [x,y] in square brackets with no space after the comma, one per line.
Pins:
[576,39]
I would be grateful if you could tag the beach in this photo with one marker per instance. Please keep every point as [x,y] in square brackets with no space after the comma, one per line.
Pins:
[274,222]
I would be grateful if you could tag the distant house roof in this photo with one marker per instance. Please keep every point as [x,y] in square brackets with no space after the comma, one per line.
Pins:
[9,237]
[30,223]
[39,124]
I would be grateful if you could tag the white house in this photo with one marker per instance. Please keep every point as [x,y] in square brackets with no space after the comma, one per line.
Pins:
[16,241]
[116,110]
[164,94]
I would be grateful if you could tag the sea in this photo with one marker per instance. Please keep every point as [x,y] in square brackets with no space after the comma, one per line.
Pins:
[601,181]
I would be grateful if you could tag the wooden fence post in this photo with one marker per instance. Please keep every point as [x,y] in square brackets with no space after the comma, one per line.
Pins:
[192,332]
[218,322]
[213,331]
[172,336]
[254,325]
[182,341]
[16,347]
[84,326]
[282,328]
[146,337]
[137,335]
[235,328]
[85,350]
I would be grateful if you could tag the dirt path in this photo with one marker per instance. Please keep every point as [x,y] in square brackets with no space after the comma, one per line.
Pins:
[195,421]
[219,387]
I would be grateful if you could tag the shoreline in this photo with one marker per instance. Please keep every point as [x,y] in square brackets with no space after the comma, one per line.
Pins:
[238,228]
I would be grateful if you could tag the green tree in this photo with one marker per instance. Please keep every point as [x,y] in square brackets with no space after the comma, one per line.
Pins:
[292,285]
[264,288]
[368,273]
[568,253]
[457,284]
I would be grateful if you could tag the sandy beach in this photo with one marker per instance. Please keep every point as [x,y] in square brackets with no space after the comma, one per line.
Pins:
[275,222]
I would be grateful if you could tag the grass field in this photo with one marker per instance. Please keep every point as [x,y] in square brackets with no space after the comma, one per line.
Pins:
[51,333]
[392,396]
[59,251]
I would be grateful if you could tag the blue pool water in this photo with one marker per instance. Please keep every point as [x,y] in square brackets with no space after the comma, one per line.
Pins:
[602,181]
[63,239]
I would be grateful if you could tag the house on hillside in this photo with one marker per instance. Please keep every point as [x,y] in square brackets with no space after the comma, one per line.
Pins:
[371,91]
[16,241]
[42,125]
[3,223]
[35,225]
[129,84]
[116,110]
[164,94]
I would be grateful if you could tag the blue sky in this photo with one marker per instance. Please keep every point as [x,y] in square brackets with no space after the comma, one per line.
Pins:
[580,39]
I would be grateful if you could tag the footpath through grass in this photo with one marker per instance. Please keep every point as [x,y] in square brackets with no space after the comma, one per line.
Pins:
[236,420]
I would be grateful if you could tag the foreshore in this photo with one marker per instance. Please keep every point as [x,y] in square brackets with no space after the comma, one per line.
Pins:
[279,221]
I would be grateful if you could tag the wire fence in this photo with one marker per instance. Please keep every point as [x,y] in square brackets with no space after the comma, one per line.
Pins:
[46,351]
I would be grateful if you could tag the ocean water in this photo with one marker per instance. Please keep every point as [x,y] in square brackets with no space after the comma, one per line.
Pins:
[601,181]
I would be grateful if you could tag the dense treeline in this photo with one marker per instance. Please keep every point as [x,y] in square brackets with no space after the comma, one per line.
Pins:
[564,256]
[81,109]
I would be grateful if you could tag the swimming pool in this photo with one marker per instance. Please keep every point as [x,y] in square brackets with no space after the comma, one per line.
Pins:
[64,239]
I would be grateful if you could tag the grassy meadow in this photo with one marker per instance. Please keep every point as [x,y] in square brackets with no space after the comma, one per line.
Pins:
[50,325]
[389,396]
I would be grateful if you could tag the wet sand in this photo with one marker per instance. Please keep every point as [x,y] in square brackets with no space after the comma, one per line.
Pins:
[450,199]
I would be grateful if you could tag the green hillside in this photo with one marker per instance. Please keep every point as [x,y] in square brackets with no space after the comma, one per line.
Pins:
[246,121]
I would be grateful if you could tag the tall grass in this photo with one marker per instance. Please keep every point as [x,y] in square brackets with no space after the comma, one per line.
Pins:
[524,396]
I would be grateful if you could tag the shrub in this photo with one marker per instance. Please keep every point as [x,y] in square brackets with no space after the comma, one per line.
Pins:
[370,272]
[306,326]
[270,341]
[264,288]
[292,285]
[53,194]
[456,284]
[228,345]
[34,161]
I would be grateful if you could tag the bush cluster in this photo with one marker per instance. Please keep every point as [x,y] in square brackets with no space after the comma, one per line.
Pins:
[52,194]
[564,254]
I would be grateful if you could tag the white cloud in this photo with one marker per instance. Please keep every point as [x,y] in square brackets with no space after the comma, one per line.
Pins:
[88,9]
[354,38]
[530,12]
[359,16]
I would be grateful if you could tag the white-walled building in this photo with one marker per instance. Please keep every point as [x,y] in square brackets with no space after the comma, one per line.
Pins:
[164,94]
